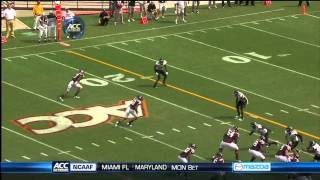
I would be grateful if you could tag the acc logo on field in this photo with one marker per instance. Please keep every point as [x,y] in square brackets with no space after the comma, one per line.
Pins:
[60,166]
[74,27]
[94,115]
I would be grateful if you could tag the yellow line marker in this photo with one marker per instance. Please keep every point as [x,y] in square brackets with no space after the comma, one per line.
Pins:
[192,93]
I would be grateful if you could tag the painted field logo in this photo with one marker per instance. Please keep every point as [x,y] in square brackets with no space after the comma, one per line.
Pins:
[78,118]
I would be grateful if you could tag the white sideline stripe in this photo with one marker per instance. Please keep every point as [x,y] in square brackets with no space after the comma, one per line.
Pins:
[161,133]
[176,130]
[313,16]
[315,106]
[124,43]
[191,127]
[111,142]
[42,143]
[143,136]
[23,57]
[26,157]
[206,124]
[77,147]
[129,139]
[284,111]
[282,36]
[44,154]
[6,59]
[65,152]
[7,160]
[96,145]
[214,80]
[150,29]
[115,42]
[269,114]
[263,62]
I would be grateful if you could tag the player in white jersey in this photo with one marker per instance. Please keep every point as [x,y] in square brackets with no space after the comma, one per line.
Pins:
[180,11]
[241,102]
[315,149]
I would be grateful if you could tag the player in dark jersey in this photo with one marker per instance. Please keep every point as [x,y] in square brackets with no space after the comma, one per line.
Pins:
[186,154]
[283,153]
[75,82]
[218,158]
[230,140]
[241,102]
[133,110]
[314,148]
[293,136]
[160,68]
[263,131]
[256,150]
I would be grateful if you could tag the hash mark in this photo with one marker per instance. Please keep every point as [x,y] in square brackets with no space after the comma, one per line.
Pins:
[189,33]
[176,130]
[94,144]
[163,37]
[191,127]
[124,43]
[26,157]
[269,114]
[206,124]
[77,147]
[44,154]
[129,139]
[225,123]
[137,41]
[281,19]
[111,142]
[284,111]
[7,160]
[64,152]
[23,57]
[203,31]
[161,133]
[144,137]
[315,106]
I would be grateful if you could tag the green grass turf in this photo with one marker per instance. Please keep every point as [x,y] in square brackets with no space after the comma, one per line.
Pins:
[30,86]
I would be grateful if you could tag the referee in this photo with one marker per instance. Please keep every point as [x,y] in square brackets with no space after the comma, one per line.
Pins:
[160,69]
[241,102]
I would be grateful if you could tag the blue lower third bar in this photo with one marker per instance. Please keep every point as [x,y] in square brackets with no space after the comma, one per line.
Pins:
[26,167]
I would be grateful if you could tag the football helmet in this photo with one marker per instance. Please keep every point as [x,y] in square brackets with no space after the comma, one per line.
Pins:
[140,97]
[193,146]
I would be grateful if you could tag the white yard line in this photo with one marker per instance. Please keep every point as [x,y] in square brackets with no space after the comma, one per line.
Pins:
[191,127]
[94,144]
[176,130]
[146,137]
[313,16]
[80,148]
[284,111]
[124,43]
[282,36]
[269,114]
[53,53]
[189,33]
[253,59]
[6,59]
[65,152]
[113,142]
[163,37]
[149,39]
[26,157]
[206,124]
[137,41]
[151,29]
[161,133]
[215,80]
[129,139]
[22,57]
[315,106]
[44,154]
[203,31]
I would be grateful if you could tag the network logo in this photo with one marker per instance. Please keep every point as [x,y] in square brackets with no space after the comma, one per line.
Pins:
[74,27]
[251,167]
[60,166]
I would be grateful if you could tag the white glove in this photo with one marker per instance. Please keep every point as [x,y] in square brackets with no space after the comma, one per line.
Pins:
[157,74]
[167,73]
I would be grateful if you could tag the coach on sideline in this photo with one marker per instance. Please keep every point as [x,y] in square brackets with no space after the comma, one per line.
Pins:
[10,16]
[37,13]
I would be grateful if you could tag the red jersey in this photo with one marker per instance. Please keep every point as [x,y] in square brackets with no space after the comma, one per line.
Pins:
[231,136]
[217,159]
[187,152]
[283,151]
[135,103]
[258,144]
[77,77]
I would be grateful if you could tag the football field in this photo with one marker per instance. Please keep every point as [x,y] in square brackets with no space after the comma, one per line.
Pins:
[271,54]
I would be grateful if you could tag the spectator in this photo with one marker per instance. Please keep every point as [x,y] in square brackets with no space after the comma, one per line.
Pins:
[37,13]
[228,2]
[185,8]
[143,5]
[180,11]
[67,15]
[10,17]
[162,8]
[238,1]
[252,2]
[213,3]
[111,8]
[194,6]
[104,17]
[118,12]
[43,28]
[152,11]
[131,6]
[52,26]
[307,1]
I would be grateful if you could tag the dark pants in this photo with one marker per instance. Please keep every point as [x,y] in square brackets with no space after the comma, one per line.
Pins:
[104,21]
[160,73]
[239,106]
[300,2]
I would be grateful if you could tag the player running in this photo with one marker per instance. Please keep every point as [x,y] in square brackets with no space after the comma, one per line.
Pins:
[230,140]
[256,150]
[74,83]
[218,158]
[133,110]
[160,68]
[315,149]
[283,153]
[263,131]
[241,102]
[186,154]
[292,135]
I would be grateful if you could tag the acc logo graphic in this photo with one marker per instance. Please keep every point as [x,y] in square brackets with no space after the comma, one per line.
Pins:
[60,167]
[74,27]
[71,119]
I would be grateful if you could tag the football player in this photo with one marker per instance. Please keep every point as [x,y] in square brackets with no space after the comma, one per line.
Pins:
[256,150]
[241,102]
[185,155]
[283,153]
[74,83]
[133,110]
[218,158]
[292,135]
[315,149]
[160,68]
[230,140]
[294,156]
[263,131]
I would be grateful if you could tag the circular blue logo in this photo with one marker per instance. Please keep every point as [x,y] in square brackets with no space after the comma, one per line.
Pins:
[74,27]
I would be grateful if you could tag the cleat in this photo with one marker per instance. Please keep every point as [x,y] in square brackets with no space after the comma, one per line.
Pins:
[236,117]
[76,97]
[117,124]
[129,124]
[184,20]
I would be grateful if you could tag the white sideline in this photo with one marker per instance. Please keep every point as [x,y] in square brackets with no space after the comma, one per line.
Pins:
[151,29]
